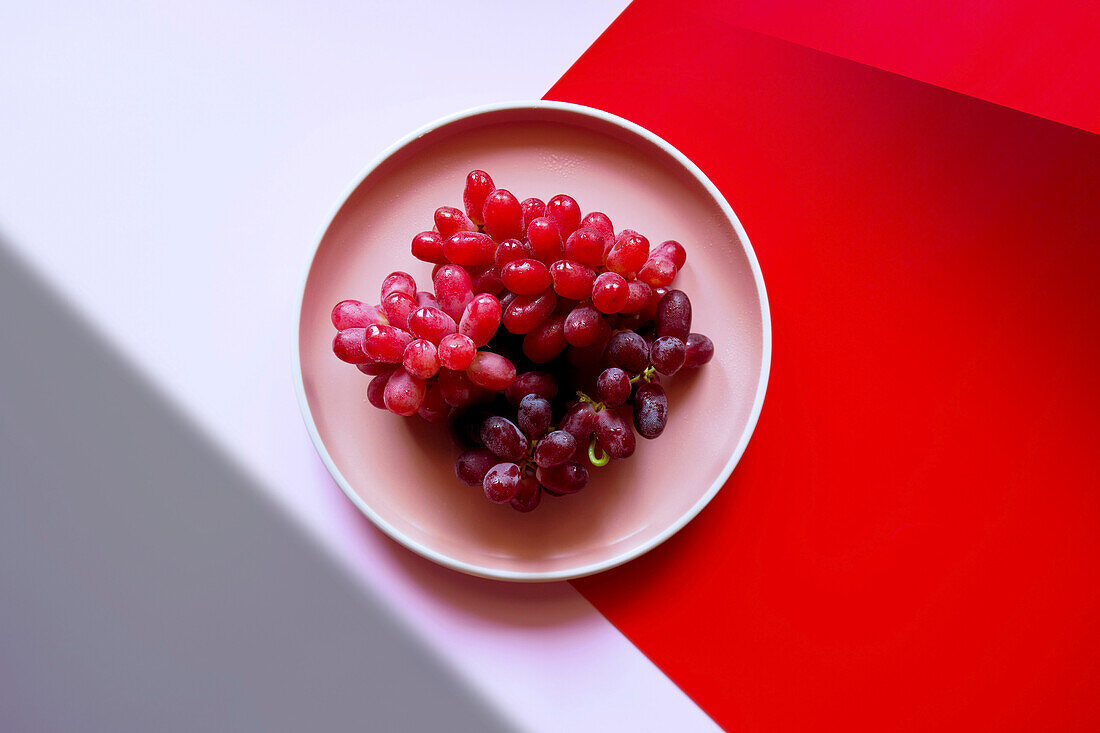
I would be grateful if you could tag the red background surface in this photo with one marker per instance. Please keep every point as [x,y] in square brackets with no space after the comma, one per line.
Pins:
[911,540]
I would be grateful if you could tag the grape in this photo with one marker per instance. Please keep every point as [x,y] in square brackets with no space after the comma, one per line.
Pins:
[355,314]
[629,254]
[420,359]
[667,354]
[449,220]
[398,307]
[503,215]
[488,281]
[546,341]
[478,187]
[491,371]
[582,325]
[527,495]
[615,434]
[456,388]
[572,280]
[567,478]
[373,369]
[545,239]
[502,437]
[638,294]
[532,209]
[580,422]
[612,386]
[650,410]
[377,388]
[525,277]
[542,384]
[588,359]
[398,282]
[404,393]
[428,246]
[585,246]
[511,249]
[555,449]
[657,271]
[649,312]
[534,415]
[424,299]
[348,345]
[674,315]
[433,408]
[385,343]
[629,351]
[453,289]
[431,324]
[502,482]
[526,312]
[470,249]
[480,319]
[456,352]
[471,466]
[601,222]
[672,251]
[564,211]
[609,292]
[700,349]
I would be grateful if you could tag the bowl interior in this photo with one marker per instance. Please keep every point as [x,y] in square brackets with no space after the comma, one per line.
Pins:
[401,470]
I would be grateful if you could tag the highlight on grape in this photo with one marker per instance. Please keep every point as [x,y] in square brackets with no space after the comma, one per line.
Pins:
[542,343]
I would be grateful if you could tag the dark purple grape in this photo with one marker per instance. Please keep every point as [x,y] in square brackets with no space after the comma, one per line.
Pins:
[650,410]
[567,478]
[534,416]
[667,354]
[527,495]
[613,387]
[555,449]
[629,351]
[700,350]
[471,466]
[543,384]
[502,482]
[580,422]
[674,315]
[615,434]
[502,437]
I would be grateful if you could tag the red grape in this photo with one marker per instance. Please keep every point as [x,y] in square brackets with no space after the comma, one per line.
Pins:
[591,358]
[650,410]
[580,422]
[511,249]
[471,466]
[373,369]
[700,350]
[453,289]
[637,296]
[398,307]
[457,390]
[424,299]
[398,282]
[629,351]
[420,359]
[449,220]
[672,251]
[428,246]
[649,312]
[502,482]
[348,345]
[544,236]
[615,433]
[377,388]
[433,408]
[555,449]
[612,387]
[667,354]
[568,478]
[355,314]
[657,271]
[542,384]
[503,215]
[565,212]
[478,187]
[431,324]
[585,246]
[673,316]
[609,292]
[628,255]
[385,343]
[546,341]
[491,371]
[601,222]
[502,437]
[456,352]
[470,249]
[526,312]
[572,280]
[532,209]
[534,415]
[582,325]
[526,276]
[487,281]
[528,495]
[404,393]
[480,319]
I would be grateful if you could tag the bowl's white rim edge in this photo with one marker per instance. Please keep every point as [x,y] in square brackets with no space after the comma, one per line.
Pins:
[754,415]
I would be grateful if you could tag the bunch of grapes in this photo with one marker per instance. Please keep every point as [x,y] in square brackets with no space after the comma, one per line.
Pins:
[535,313]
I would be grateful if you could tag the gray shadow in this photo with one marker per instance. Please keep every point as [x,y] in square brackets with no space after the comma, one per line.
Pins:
[147,584]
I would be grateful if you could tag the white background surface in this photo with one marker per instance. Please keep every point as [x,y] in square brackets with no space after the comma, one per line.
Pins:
[167,168]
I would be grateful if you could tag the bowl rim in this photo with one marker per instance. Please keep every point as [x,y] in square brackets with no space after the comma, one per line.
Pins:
[691,513]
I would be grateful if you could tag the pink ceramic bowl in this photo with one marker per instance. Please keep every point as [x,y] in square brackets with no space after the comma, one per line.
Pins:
[400,472]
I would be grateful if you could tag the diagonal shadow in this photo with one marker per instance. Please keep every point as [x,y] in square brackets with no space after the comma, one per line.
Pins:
[146,583]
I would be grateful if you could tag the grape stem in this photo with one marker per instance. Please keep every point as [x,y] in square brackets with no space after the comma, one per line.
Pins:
[597,406]
[649,374]
[604,459]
